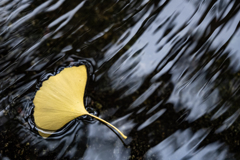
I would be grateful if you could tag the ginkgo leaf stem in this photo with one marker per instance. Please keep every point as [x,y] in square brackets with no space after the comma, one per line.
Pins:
[125,137]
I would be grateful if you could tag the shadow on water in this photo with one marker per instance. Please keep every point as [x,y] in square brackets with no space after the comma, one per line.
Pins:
[166,73]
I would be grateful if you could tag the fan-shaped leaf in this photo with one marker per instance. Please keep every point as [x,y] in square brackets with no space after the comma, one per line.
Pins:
[60,100]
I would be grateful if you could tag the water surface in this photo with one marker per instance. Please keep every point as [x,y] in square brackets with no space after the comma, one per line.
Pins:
[166,73]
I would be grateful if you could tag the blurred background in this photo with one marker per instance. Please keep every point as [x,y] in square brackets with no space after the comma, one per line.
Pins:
[165,72]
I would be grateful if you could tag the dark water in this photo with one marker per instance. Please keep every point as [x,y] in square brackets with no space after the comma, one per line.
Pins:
[166,73]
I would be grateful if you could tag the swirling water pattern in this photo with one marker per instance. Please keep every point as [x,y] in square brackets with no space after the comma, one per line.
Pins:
[166,73]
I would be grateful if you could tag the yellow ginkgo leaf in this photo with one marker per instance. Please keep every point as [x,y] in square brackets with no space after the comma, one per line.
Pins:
[60,100]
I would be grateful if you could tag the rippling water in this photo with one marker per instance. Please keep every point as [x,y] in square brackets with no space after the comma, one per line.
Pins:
[166,73]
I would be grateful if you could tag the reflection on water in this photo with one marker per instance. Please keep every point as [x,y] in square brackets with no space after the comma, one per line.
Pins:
[186,146]
[166,73]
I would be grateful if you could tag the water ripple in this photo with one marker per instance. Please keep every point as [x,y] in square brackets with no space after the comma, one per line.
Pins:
[165,72]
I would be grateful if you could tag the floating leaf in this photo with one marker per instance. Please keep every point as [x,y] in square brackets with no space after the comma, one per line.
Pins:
[60,100]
